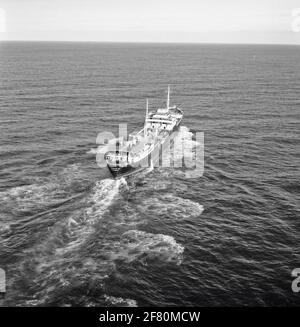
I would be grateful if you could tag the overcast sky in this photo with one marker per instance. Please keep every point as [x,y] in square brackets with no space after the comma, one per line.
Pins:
[226,21]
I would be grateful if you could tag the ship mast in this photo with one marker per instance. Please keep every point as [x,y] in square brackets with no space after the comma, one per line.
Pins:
[147,109]
[168,99]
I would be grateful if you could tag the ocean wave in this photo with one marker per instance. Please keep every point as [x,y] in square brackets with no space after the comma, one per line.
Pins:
[56,263]
[55,279]
[171,206]
[4,227]
[44,192]
[31,197]
[119,302]
[80,224]
[92,151]
[104,193]
[142,246]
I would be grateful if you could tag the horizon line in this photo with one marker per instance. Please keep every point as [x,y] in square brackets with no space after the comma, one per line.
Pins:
[153,42]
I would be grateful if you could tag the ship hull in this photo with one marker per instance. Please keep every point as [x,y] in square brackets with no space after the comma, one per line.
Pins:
[123,171]
[118,172]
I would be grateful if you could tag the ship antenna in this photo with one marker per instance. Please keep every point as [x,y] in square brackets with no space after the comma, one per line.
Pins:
[168,99]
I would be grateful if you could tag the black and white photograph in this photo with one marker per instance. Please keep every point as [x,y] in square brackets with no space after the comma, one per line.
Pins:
[149,155]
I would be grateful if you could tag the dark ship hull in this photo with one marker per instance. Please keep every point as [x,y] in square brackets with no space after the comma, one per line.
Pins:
[118,172]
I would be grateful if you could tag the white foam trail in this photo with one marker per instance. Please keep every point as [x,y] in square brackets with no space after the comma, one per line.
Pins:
[4,227]
[55,257]
[45,192]
[139,245]
[61,273]
[171,206]
[101,149]
[120,302]
[92,151]
[103,194]
[70,174]
[29,197]
[81,226]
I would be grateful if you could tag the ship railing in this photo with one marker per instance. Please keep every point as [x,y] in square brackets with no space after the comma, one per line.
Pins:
[113,156]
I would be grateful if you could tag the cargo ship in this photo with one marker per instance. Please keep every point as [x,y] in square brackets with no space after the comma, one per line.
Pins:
[141,150]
